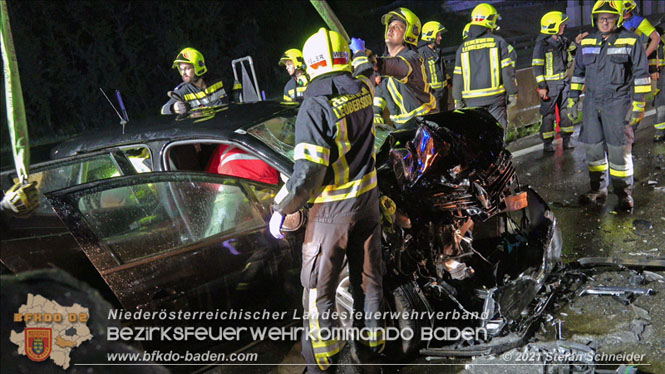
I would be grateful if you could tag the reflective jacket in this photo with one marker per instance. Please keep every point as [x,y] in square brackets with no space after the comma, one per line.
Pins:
[233,161]
[435,65]
[484,68]
[403,89]
[294,91]
[194,97]
[612,68]
[334,153]
[551,58]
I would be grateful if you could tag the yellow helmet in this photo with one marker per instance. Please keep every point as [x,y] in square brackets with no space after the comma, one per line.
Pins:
[551,22]
[294,55]
[191,56]
[326,52]
[629,6]
[485,15]
[409,18]
[431,29]
[605,6]
[465,32]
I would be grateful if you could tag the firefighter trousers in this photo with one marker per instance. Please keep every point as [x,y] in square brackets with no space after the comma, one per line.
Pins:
[557,94]
[608,137]
[327,243]
[659,104]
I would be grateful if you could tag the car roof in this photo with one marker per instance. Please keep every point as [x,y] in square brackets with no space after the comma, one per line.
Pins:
[222,125]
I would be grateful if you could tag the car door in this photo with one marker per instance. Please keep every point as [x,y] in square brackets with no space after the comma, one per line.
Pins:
[183,241]
[42,241]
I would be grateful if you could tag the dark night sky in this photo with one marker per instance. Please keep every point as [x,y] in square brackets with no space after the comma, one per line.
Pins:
[67,50]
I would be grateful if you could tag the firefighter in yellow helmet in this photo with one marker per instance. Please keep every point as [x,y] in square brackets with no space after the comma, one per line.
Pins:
[430,50]
[198,88]
[484,74]
[613,68]
[659,101]
[294,63]
[403,89]
[552,56]
[337,174]
[641,26]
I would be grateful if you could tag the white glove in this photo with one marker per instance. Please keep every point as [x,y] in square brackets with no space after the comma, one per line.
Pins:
[275,225]
[180,107]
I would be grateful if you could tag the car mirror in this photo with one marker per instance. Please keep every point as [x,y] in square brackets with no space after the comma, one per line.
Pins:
[294,221]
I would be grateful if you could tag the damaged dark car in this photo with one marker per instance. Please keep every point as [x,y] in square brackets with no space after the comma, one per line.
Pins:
[136,215]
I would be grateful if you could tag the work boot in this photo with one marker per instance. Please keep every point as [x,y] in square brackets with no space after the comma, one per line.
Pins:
[568,143]
[626,203]
[659,137]
[598,197]
[548,147]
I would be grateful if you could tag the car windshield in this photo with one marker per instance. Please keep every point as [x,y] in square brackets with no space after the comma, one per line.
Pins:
[279,134]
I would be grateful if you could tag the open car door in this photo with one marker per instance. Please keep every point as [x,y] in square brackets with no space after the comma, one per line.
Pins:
[42,241]
[183,241]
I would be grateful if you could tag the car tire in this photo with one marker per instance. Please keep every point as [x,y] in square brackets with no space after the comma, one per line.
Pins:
[403,300]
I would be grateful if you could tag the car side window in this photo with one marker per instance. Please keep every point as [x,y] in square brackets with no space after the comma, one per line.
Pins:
[278,133]
[147,219]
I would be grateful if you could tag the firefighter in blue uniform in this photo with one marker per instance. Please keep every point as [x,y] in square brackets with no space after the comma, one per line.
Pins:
[335,171]
[613,67]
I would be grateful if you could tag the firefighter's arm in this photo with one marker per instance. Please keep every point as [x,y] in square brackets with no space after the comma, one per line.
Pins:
[458,81]
[508,69]
[538,64]
[646,28]
[642,82]
[168,107]
[396,67]
[311,156]
[577,82]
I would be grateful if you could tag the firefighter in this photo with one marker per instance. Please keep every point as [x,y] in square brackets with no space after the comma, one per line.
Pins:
[551,58]
[335,171]
[641,26]
[484,67]
[294,63]
[197,88]
[659,102]
[430,49]
[21,200]
[403,89]
[613,67]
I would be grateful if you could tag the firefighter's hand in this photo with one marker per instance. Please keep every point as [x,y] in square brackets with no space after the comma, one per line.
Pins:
[275,225]
[542,92]
[21,200]
[459,104]
[655,76]
[638,112]
[356,45]
[579,37]
[572,109]
[180,107]
[512,100]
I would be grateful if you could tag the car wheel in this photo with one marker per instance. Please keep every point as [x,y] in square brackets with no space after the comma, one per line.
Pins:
[403,300]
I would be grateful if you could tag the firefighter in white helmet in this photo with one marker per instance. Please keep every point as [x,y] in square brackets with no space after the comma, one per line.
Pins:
[335,171]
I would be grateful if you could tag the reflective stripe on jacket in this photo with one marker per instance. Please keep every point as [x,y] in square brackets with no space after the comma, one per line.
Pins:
[484,68]
[612,68]
[213,95]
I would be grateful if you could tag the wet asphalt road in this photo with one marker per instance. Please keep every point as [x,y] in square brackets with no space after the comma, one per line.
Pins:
[560,178]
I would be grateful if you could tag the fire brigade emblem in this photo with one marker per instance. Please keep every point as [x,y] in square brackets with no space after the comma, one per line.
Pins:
[38,343]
